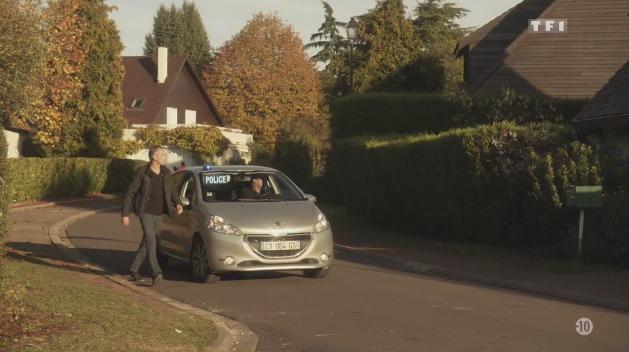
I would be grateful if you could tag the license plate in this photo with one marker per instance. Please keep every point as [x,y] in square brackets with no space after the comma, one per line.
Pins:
[280,245]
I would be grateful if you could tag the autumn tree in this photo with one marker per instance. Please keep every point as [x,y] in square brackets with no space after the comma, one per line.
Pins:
[64,60]
[263,77]
[21,55]
[181,30]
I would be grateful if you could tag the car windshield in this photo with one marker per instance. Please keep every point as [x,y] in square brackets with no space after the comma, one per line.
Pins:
[247,187]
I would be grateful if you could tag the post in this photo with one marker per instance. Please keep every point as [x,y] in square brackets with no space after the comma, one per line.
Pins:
[580,246]
[351,67]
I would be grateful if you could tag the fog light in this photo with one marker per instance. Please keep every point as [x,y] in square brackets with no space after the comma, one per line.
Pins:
[229,260]
[324,257]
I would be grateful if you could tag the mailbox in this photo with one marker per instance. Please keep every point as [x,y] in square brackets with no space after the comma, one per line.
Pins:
[584,196]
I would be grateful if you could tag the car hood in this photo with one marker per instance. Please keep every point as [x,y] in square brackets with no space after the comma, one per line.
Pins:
[268,217]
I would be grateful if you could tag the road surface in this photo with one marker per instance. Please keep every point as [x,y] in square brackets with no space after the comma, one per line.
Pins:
[363,306]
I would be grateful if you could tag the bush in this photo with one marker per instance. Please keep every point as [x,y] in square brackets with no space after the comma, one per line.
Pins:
[497,184]
[510,105]
[206,142]
[606,234]
[386,113]
[3,191]
[46,178]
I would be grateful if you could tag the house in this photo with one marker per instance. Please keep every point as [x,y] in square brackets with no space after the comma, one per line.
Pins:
[607,114]
[165,91]
[574,63]
[15,134]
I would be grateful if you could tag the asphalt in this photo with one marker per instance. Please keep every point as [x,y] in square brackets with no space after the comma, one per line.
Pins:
[367,306]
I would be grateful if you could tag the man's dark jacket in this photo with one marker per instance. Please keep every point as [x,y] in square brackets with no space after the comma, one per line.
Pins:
[139,192]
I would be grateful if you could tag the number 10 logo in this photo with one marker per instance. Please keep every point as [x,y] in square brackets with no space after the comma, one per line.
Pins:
[584,326]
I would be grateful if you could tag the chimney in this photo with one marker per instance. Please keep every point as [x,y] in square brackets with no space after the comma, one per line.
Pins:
[162,64]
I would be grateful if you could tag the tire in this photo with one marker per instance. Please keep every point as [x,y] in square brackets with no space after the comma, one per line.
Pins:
[317,273]
[199,268]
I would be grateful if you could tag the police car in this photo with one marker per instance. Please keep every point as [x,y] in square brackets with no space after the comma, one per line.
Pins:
[244,219]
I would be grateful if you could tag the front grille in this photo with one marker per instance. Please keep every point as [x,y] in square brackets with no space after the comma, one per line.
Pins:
[303,238]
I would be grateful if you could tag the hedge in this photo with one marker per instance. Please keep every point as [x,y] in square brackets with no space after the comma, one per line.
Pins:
[496,184]
[48,178]
[386,113]
[3,191]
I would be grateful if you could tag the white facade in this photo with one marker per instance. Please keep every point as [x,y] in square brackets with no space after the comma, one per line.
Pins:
[14,143]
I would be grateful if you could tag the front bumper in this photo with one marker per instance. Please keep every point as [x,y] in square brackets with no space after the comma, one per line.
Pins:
[247,258]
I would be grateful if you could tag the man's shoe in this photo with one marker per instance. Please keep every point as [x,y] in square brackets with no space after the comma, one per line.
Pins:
[133,276]
[157,279]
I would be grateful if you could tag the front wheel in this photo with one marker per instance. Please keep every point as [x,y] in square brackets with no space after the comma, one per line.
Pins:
[317,273]
[198,262]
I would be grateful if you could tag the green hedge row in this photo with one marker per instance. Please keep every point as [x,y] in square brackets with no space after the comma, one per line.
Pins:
[48,178]
[497,184]
[386,113]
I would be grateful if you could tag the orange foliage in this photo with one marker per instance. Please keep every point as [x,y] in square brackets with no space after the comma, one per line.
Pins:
[263,76]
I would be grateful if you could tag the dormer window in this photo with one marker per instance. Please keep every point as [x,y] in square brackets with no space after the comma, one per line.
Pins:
[137,103]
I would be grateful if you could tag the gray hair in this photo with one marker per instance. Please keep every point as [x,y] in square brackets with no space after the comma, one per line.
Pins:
[153,150]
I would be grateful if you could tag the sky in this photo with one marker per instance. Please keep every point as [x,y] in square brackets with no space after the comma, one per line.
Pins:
[224,18]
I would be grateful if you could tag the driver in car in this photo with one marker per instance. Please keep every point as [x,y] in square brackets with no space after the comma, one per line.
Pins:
[255,189]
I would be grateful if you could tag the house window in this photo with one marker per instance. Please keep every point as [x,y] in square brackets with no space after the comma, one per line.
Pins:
[191,117]
[171,116]
[137,103]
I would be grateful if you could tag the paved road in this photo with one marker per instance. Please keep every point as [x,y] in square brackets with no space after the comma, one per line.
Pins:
[362,306]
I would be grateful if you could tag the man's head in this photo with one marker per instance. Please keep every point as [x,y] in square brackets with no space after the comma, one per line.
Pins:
[157,154]
[256,184]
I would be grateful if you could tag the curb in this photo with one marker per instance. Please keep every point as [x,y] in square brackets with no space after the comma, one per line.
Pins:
[457,275]
[232,336]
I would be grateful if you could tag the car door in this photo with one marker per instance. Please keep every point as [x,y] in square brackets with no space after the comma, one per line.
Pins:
[167,239]
[187,223]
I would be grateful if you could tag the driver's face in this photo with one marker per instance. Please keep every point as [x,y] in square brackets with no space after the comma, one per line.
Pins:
[256,184]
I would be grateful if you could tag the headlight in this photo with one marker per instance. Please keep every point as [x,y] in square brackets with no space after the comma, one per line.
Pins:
[322,223]
[218,224]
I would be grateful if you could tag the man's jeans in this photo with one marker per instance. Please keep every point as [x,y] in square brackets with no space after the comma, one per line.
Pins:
[150,225]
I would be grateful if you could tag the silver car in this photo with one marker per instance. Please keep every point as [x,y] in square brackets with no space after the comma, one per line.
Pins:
[243,219]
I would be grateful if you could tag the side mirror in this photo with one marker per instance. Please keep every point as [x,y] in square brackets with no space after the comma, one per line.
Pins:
[311,198]
[185,201]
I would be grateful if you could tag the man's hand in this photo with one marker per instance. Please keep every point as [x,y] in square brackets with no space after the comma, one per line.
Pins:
[179,209]
[125,221]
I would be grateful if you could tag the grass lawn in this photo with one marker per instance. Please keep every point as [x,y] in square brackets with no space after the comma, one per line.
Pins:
[45,308]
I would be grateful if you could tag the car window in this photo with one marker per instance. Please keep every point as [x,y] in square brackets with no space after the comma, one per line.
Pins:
[237,187]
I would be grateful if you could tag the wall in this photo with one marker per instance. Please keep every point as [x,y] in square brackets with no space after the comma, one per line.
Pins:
[14,143]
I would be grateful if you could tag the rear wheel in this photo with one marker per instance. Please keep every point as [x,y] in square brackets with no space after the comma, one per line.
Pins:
[201,272]
[317,273]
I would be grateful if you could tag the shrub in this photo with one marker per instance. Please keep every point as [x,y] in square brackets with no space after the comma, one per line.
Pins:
[510,105]
[386,113]
[3,190]
[500,184]
[46,178]
[206,142]
[606,235]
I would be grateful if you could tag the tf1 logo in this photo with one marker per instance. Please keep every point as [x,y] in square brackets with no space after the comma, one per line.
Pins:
[548,26]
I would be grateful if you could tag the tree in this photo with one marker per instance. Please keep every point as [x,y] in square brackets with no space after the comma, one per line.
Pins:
[388,43]
[436,25]
[332,53]
[263,76]
[61,84]
[181,30]
[100,122]
[21,54]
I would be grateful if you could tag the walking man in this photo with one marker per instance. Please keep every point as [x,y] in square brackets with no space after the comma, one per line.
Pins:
[150,194]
